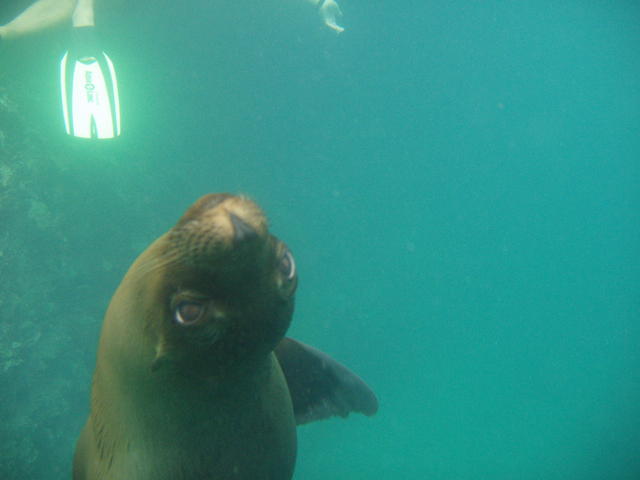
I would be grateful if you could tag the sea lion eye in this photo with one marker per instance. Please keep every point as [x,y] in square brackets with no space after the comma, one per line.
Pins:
[287,266]
[188,313]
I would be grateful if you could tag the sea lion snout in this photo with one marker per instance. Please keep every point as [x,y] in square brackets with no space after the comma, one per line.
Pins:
[216,206]
[217,225]
[242,230]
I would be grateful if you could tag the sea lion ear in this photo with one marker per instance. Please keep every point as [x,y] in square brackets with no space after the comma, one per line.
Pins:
[319,386]
[160,358]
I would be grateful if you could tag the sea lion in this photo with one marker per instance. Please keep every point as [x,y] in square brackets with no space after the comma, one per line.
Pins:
[194,378]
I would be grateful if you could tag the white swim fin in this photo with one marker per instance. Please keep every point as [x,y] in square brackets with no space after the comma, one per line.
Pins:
[90,100]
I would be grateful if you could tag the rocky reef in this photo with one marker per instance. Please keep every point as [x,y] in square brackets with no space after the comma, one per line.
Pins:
[49,317]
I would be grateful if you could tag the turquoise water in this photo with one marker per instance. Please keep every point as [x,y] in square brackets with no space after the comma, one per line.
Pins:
[459,182]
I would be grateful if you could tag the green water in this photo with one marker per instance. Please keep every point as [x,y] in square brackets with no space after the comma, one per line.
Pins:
[459,182]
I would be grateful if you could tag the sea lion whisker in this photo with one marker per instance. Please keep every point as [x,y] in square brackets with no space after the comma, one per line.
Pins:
[154,264]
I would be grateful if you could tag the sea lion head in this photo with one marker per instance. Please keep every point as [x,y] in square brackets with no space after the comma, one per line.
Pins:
[219,291]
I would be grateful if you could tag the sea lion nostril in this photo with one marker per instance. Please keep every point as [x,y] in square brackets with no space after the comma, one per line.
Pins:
[242,231]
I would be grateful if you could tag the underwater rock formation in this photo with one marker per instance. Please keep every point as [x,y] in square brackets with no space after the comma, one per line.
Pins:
[35,329]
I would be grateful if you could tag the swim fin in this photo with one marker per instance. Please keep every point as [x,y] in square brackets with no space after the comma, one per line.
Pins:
[90,102]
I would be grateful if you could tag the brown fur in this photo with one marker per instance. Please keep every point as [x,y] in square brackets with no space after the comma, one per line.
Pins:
[207,400]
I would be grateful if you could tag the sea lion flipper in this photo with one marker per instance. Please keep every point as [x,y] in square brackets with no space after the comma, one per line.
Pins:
[320,387]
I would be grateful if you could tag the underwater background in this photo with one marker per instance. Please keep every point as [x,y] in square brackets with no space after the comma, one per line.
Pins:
[458,180]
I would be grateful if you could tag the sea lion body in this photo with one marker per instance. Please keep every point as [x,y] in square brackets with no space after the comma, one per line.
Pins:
[187,385]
